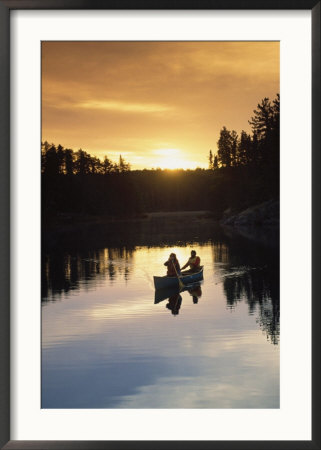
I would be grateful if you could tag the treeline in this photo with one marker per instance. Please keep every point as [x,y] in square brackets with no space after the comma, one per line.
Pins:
[246,166]
[76,182]
[261,148]
[243,172]
[64,161]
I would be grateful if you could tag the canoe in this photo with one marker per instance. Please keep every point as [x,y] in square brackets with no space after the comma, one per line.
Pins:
[166,293]
[186,279]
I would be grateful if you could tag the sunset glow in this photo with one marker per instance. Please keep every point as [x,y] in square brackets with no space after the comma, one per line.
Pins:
[172,158]
[158,104]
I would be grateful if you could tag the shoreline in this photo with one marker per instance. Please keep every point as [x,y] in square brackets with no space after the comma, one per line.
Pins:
[259,216]
[74,220]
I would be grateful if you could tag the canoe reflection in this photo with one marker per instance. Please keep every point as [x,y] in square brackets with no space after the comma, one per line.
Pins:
[174,297]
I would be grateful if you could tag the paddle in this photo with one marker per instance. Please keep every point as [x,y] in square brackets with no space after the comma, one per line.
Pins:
[180,283]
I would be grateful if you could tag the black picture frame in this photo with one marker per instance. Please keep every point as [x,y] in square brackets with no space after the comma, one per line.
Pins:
[8,5]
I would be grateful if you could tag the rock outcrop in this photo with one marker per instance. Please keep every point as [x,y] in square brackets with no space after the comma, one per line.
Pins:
[264,214]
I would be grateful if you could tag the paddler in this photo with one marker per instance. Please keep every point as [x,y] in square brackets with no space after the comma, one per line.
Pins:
[194,263]
[173,268]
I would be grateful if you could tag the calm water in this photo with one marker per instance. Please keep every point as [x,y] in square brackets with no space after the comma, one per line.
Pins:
[107,344]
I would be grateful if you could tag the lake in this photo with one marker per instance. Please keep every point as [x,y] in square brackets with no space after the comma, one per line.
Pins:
[109,342]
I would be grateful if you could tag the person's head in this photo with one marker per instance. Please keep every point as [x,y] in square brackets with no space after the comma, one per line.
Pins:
[193,253]
[172,256]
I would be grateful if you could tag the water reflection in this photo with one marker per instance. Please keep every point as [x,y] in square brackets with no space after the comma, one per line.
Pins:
[256,286]
[196,293]
[64,272]
[111,327]
[174,303]
[248,269]
[174,296]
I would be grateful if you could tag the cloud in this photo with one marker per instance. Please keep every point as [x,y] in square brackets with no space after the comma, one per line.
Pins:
[123,106]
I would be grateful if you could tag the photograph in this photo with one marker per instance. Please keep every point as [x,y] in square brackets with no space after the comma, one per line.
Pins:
[160,224]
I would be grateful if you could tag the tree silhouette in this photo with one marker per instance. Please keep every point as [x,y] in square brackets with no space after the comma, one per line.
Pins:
[60,159]
[123,166]
[51,162]
[224,145]
[234,145]
[215,163]
[69,162]
[107,166]
[210,161]
[244,149]
[266,127]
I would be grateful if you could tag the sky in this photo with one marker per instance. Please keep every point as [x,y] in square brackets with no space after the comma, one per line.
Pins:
[158,104]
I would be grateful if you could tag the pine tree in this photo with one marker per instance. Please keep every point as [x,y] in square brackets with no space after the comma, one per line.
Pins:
[61,159]
[107,165]
[244,156]
[234,144]
[215,163]
[266,128]
[69,161]
[210,160]
[123,166]
[225,144]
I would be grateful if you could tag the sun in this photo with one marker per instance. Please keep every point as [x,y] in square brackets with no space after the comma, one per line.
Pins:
[171,163]
[171,158]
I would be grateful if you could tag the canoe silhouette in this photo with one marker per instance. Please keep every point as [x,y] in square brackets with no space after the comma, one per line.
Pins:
[166,293]
[186,279]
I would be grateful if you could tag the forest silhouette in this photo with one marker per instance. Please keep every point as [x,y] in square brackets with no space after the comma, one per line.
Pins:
[243,172]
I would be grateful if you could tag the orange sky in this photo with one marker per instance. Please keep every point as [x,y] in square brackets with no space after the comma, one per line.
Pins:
[159,104]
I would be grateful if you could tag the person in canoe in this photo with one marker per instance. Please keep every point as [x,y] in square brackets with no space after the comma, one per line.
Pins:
[173,268]
[194,263]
